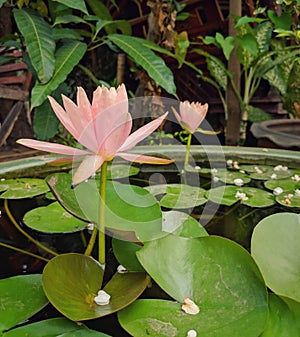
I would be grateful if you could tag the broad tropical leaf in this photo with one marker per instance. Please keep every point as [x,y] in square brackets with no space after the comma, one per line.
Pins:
[263,36]
[39,42]
[143,56]
[76,4]
[67,57]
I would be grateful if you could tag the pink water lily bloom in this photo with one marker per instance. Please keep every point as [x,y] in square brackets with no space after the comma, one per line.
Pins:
[191,115]
[102,127]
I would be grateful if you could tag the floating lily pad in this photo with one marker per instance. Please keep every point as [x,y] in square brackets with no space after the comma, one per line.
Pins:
[227,195]
[218,275]
[124,205]
[289,199]
[53,219]
[281,321]
[264,172]
[71,281]
[179,196]
[54,327]
[286,184]
[182,224]
[20,298]
[22,188]
[229,177]
[275,248]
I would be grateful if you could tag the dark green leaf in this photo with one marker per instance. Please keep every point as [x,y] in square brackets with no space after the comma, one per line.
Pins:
[143,56]
[76,4]
[67,57]
[20,297]
[39,42]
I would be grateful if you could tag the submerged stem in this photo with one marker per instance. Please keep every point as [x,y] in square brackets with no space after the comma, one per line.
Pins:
[101,238]
[29,237]
[24,252]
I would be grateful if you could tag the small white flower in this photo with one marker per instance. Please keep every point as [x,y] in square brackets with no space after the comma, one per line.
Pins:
[297,193]
[229,162]
[284,168]
[102,298]
[241,196]
[274,176]
[2,179]
[121,269]
[258,170]
[216,179]
[278,168]
[238,182]
[265,150]
[190,307]
[277,191]
[197,167]
[296,177]
[214,171]
[90,226]
[236,165]
[192,333]
[242,171]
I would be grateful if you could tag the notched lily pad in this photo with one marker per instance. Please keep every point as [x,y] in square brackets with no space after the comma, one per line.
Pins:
[289,199]
[286,184]
[53,219]
[250,196]
[71,282]
[178,196]
[22,188]
[229,177]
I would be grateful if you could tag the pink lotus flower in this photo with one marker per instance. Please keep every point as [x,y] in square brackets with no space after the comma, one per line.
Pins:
[191,115]
[102,127]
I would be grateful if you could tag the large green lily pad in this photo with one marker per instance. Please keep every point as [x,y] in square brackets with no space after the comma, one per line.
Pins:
[54,327]
[265,172]
[20,298]
[71,281]
[275,248]
[53,219]
[22,188]
[227,195]
[218,275]
[124,205]
[289,199]
[286,184]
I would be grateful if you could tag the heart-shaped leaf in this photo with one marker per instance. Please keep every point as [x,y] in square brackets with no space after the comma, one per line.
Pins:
[275,248]
[22,188]
[218,275]
[53,219]
[71,282]
[20,298]
[124,205]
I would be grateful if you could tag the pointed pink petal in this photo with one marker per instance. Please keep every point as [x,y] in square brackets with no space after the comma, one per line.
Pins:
[87,168]
[192,115]
[178,117]
[84,104]
[144,159]
[104,98]
[117,136]
[85,129]
[63,117]
[51,147]
[141,133]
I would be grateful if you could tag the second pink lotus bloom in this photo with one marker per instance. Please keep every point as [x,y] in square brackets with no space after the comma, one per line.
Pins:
[102,127]
[191,115]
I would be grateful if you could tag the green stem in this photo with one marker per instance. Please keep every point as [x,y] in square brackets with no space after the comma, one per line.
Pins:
[187,154]
[92,241]
[101,242]
[24,251]
[30,238]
